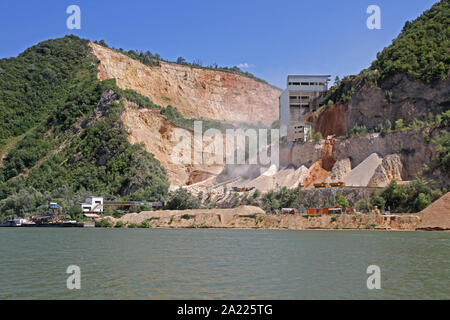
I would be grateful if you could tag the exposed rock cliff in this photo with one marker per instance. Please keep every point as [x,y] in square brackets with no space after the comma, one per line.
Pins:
[195,92]
[159,136]
[389,169]
[405,153]
[340,169]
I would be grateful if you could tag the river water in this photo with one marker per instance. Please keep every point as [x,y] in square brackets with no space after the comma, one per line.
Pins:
[222,264]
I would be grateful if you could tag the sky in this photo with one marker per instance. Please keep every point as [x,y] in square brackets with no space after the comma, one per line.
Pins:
[270,39]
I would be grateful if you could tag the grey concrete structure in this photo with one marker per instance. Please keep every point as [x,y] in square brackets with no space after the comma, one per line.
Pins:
[296,102]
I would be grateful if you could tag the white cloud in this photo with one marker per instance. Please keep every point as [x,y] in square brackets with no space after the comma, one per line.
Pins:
[243,65]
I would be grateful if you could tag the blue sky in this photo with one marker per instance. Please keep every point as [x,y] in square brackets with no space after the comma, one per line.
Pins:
[275,38]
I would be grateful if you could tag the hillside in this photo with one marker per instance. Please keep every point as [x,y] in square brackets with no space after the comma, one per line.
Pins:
[407,88]
[408,81]
[62,137]
[195,92]
[70,130]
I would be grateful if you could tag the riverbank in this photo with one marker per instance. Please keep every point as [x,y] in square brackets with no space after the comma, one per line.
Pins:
[249,217]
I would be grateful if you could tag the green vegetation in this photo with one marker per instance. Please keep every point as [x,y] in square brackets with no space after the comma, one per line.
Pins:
[442,156]
[283,198]
[185,216]
[407,198]
[317,136]
[176,117]
[132,225]
[182,199]
[119,224]
[422,49]
[68,144]
[145,224]
[341,200]
[104,223]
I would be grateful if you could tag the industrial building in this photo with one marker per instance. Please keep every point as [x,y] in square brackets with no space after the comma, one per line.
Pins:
[297,100]
[93,205]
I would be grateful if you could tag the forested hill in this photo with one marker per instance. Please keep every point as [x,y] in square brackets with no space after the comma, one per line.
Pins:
[61,137]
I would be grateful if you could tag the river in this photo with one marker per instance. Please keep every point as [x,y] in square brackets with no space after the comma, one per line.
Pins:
[222,264]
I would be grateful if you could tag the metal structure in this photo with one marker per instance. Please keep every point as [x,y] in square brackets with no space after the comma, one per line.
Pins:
[94,205]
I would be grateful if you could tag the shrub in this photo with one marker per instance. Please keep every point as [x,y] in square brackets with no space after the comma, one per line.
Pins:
[399,124]
[119,224]
[145,224]
[132,225]
[185,216]
[104,223]
[358,130]
[317,136]
[182,199]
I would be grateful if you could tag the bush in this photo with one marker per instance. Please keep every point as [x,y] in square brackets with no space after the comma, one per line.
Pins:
[145,224]
[358,130]
[409,198]
[119,224]
[182,199]
[441,158]
[76,213]
[104,223]
[132,225]
[399,124]
[317,136]
[185,216]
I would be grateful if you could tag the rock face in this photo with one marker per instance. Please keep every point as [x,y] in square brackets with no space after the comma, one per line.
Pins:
[411,146]
[332,121]
[195,92]
[158,136]
[389,169]
[397,97]
[340,169]
[406,153]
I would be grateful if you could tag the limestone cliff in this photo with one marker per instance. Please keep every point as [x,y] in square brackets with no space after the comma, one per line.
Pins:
[195,92]
[159,136]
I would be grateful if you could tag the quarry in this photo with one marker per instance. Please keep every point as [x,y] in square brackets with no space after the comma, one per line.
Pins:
[355,166]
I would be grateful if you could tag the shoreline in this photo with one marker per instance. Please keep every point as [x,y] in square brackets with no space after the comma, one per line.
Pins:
[249,217]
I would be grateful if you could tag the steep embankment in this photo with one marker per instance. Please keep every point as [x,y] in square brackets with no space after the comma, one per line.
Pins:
[196,92]
[159,136]
[61,135]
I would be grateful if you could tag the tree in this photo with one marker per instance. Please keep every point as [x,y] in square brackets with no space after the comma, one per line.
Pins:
[341,200]
[75,213]
[182,199]
[317,136]
[181,60]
